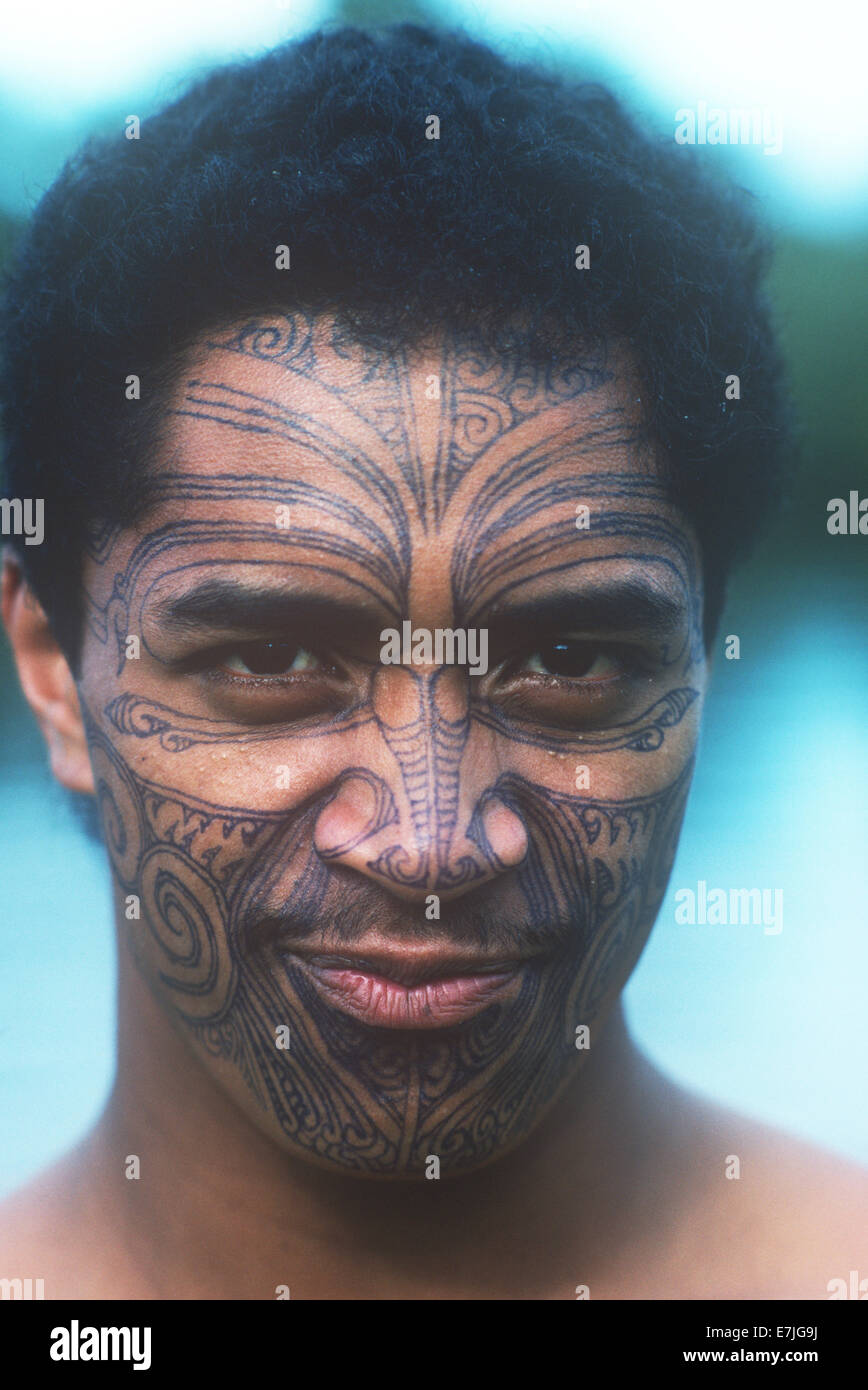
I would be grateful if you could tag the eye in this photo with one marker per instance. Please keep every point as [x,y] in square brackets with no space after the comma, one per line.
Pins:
[268,658]
[573,659]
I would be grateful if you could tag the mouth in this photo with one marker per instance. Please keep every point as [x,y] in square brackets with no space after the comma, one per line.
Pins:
[403,989]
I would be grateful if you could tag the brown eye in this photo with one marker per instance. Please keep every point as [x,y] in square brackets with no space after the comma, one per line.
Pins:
[571,659]
[269,658]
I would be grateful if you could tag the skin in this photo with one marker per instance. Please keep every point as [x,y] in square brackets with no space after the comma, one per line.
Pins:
[254,819]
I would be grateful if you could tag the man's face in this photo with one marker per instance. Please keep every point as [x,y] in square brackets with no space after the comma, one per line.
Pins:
[389,903]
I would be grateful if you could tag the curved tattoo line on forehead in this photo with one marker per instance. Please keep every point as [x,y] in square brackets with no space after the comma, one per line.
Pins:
[481,397]
[348,457]
[393,550]
[483,408]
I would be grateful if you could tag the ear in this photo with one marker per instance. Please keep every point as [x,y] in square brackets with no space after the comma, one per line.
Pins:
[46,680]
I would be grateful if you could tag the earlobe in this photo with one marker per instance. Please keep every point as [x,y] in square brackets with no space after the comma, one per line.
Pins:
[46,680]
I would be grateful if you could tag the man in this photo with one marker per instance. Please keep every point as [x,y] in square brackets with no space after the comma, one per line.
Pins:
[376,398]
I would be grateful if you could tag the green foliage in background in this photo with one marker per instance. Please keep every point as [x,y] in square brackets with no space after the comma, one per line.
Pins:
[820,292]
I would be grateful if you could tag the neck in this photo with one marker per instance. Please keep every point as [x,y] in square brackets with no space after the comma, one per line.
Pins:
[220,1212]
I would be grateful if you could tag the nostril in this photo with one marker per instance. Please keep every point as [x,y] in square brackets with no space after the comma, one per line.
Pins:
[336,824]
[362,806]
[505,832]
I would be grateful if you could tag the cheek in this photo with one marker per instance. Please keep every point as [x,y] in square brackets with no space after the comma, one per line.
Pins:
[599,866]
[264,776]
[585,775]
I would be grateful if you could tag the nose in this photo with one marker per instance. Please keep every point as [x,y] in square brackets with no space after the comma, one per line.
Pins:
[421,816]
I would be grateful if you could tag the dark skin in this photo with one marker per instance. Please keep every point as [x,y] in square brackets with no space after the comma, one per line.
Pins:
[272,794]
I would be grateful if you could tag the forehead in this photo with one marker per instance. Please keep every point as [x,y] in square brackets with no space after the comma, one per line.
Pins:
[393,471]
[297,399]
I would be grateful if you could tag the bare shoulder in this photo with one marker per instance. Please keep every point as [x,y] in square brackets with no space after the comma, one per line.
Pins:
[778,1217]
[34,1227]
[783,1168]
[51,1235]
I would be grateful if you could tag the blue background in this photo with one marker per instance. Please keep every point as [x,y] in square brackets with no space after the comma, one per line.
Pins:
[771,1024]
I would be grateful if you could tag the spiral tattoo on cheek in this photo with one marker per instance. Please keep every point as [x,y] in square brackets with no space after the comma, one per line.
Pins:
[206,875]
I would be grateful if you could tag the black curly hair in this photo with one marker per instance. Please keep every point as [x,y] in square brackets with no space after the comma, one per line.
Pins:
[140,245]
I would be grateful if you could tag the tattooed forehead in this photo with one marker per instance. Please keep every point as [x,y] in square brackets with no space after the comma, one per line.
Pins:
[440,474]
[411,424]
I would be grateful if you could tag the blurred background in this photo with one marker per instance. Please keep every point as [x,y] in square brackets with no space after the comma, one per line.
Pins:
[772,1024]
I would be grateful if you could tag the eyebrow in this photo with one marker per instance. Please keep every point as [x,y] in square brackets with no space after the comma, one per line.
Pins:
[628,605]
[226,605]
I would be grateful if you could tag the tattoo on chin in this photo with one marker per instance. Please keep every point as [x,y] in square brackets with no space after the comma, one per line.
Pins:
[224,890]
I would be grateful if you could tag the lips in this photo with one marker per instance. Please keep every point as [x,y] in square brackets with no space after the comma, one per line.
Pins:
[410,992]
